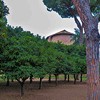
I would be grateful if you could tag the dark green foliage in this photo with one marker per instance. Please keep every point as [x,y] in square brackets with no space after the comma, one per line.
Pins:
[76,37]
[24,54]
[66,9]
[3,21]
[95,8]
[3,9]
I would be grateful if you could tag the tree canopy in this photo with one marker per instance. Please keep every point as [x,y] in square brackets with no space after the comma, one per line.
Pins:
[66,9]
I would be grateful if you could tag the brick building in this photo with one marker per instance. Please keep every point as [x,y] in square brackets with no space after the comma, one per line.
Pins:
[63,36]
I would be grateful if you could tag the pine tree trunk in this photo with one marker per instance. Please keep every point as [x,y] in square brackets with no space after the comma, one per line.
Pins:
[68,78]
[93,70]
[40,83]
[90,25]
[81,39]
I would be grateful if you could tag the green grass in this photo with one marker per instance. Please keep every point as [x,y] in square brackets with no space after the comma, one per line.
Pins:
[61,77]
[84,77]
[2,79]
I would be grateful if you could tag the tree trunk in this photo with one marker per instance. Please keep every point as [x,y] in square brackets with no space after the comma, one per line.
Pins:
[77,76]
[81,39]
[74,79]
[81,77]
[90,25]
[21,82]
[40,83]
[22,89]
[68,78]
[92,52]
[31,77]
[56,80]
[49,78]
[65,76]
[12,80]
[7,83]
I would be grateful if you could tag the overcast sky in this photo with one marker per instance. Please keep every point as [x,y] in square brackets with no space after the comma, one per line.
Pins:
[33,16]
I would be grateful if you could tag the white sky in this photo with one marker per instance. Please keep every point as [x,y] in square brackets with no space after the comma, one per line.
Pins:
[33,16]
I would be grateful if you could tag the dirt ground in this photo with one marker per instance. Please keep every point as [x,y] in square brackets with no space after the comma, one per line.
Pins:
[64,91]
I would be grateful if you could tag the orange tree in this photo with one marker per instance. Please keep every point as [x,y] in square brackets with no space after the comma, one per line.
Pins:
[17,59]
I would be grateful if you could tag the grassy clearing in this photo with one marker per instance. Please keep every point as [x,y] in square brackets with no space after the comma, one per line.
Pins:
[61,77]
[2,78]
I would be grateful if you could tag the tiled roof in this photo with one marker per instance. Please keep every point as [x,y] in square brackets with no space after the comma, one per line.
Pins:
[63,32]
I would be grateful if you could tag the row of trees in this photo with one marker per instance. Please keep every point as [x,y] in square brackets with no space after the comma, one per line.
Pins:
[25,55]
